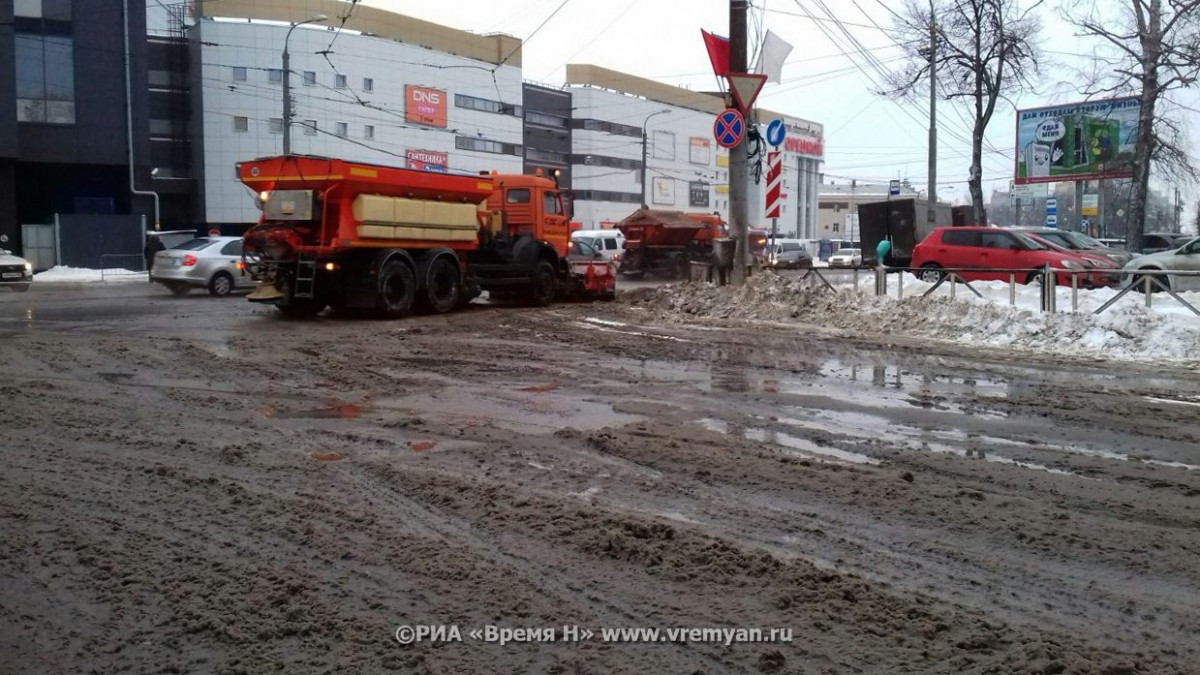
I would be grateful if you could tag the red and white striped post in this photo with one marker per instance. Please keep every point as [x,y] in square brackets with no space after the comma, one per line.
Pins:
[774,193]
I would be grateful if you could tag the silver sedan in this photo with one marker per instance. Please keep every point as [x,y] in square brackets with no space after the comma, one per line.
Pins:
[214,263]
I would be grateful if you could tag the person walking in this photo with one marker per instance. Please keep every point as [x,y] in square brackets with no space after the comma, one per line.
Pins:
[153,245]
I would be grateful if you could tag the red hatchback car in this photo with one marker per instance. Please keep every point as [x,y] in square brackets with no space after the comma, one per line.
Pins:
[980,251]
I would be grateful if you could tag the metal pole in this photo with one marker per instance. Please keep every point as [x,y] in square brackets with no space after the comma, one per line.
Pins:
[287,97]
[645,137]
[739,211]
[930,216]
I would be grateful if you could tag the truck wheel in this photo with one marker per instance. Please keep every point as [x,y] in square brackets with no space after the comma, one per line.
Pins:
[440,290]
[544,285]
[396,289]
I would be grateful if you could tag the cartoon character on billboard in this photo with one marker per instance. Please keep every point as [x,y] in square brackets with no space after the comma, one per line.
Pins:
[1039,157]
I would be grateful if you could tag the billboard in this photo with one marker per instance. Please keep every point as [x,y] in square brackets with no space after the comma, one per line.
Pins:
[698,194]
[1078,141]
[664,191]
[423,105]
[426,160]
[699,150]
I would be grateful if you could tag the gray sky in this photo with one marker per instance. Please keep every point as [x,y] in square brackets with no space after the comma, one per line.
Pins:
[867,137]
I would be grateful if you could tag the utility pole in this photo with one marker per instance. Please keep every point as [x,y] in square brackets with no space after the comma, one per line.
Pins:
[287,82]
[644,139]
[930,216]
[739,212]
[1178,208]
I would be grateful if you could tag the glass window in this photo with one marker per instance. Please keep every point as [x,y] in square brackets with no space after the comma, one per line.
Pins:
[194,244]
[999,240]
[960,237]
[274,75]
[516,196]
[339,81]
[275,125]
[45,72]
[368,84]
[610,244]
[1029,242]
[341,129]
[239,73]
[232,248]
[310,127]
[29,8]
[241,123]
[310,77]
[369,131]
[551,204]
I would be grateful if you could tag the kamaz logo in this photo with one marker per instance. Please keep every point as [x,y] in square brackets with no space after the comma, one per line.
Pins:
[427,96]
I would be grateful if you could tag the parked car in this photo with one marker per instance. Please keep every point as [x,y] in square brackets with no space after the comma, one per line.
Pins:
[846,257]
[988,253]
[1183,258]
[214,263]
[15,272]
[1153,242]
[610,243]
[1111,276]
[794,259]
[1080,243]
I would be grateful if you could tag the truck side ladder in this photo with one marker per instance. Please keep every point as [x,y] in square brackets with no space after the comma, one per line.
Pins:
[306,276]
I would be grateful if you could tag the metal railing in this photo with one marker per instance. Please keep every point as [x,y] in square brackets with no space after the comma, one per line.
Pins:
[1148,281]
[121,266]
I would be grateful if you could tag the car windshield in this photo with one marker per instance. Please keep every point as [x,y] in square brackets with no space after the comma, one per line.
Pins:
[194,244]
[1059,239]
[1030,242]
[1082,240]
[580,248]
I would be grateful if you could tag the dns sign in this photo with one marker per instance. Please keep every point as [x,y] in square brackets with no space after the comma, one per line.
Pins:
[423,105]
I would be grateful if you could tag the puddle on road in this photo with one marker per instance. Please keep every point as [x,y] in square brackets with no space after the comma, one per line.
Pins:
[791,445]
[528,412]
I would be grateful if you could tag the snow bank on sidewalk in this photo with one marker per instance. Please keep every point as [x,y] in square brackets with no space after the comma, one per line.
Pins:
[1126,331]
[76,275]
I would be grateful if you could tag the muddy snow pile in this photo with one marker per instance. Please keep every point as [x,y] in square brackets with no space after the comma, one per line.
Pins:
[1126,331]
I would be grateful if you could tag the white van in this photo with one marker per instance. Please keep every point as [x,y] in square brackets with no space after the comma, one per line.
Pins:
[610,243]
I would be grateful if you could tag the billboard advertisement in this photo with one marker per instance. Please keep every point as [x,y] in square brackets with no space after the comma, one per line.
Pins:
[1078,141]
[698,194]
[664,191]
[423,105]
[426,160]
[699,150]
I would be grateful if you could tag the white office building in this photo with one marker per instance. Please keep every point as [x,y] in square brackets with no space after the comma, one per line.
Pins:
[411,93]
[685,168]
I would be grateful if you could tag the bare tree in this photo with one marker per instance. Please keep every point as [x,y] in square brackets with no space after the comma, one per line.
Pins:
[985,50]
[1155,48]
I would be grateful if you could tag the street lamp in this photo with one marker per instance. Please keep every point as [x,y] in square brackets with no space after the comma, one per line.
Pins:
[287,86]
[647,121]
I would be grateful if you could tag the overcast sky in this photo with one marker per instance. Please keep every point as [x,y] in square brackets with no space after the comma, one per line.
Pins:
[868,137]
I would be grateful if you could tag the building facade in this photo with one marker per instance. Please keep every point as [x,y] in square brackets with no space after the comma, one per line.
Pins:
[65,144]
[684,169]
[410,93]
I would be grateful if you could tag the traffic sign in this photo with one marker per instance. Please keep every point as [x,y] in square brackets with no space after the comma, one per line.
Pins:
[774,183]
[1051,220]
[729,128]
[1051,206]
[745,88]
[894,188]
[775,132]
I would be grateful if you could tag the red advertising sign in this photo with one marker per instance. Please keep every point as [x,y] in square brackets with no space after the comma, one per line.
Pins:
[423,105]
[813,147]
[426,160]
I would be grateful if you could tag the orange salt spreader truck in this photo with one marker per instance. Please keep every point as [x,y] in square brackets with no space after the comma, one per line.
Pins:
[349,235]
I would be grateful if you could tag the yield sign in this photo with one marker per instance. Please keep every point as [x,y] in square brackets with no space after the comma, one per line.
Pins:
[745,88]
[728,128]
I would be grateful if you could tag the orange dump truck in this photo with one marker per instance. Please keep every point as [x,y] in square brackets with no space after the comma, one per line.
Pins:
[349,235]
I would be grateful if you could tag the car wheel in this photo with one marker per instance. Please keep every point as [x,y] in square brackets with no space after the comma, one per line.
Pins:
[1140,280]
[931,273]
[220,285]
[1035,278]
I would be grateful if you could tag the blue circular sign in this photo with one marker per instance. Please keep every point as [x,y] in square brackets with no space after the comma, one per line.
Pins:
[775,132]
[729,128]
